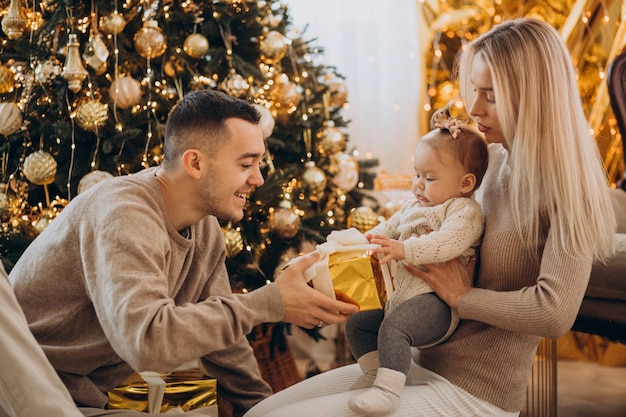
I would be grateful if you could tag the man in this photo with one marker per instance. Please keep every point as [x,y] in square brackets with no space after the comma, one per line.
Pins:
[131,275]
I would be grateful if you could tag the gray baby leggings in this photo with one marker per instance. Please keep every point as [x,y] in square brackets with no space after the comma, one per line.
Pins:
[418,321]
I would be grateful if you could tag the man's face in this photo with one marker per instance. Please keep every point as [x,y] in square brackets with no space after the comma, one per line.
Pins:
[231,174]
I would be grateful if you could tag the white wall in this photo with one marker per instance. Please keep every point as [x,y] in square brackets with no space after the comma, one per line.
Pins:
[375,45]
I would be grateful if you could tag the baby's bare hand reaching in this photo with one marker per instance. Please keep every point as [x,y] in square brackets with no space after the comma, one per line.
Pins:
[391,248]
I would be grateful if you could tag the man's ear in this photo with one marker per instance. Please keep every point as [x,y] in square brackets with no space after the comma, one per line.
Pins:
[191,163]
[468,183]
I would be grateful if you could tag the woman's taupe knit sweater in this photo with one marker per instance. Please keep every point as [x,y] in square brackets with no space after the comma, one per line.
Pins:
[516,302]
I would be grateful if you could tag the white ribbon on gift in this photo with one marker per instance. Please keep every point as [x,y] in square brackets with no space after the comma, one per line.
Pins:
[156,390]
[338,241]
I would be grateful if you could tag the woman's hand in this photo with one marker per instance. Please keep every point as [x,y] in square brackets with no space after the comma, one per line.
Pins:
[450,280]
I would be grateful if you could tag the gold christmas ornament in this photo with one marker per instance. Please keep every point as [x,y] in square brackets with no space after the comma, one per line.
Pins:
[273,47]
[46,71]
[15,21]
[92,115]
[363,219]
[196,45]
[10,118]
[91,179]
[347,175]
[73,71]
[284,220]
[314,181]
[285,94]
[96,53]
[150,41]
[330,140]
[125,92]
[234,84]
[40,168]
[233,241]
[7,80]
[173,67]
[338,92]
[267,121]
[34,20]
[113,23]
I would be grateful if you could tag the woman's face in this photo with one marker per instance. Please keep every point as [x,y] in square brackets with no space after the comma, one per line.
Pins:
[483,109]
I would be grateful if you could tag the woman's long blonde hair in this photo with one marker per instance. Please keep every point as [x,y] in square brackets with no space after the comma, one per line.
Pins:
[556,170]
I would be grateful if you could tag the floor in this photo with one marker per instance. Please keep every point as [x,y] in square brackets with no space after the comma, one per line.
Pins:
[586,389]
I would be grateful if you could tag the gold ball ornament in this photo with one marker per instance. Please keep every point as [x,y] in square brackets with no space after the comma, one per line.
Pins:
[234,84]
[125,92]
[314,181]
[7,79]
[92,115]
[5,202]
[150,41]
[347,175]
[285,221]
[48,70]
[338,92]
[330,140]
[40,168]
[285,94]
[113,23]
[363,219]
[273,47]
[10,118]
[267,121]
[91,179]
[391,207]
[173,67]
[196,45]
[233,241]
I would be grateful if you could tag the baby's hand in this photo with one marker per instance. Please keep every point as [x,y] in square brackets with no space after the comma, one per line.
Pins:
[393,249]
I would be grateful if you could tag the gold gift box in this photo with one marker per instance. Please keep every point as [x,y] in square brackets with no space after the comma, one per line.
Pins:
[185,389]
[357,276]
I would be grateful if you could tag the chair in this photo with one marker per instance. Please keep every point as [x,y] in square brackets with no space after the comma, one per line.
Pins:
[603,311]
[616,81]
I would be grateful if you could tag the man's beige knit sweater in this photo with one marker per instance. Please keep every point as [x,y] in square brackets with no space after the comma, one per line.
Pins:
[516,302]
[110,287]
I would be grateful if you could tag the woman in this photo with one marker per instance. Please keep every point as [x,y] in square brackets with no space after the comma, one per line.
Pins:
[548,218]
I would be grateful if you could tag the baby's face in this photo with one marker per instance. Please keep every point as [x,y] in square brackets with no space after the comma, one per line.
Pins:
[438,176]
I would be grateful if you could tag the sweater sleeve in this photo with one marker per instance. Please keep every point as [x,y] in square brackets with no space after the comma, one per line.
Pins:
[160,299]
[460,230]
[547,309]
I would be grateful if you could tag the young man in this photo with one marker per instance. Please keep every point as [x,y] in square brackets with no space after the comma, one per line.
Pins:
[131,275]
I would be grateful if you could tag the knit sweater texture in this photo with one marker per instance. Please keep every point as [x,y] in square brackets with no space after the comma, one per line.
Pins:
[516,301]
[110,287]
[431,235]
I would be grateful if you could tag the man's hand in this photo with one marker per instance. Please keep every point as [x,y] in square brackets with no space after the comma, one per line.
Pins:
[450,280]
[304,305]
[393,249]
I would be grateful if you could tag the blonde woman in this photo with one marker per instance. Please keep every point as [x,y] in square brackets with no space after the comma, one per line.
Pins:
[548,218]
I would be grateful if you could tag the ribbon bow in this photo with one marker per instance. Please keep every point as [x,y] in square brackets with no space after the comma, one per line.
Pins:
[338,241]
[451,124]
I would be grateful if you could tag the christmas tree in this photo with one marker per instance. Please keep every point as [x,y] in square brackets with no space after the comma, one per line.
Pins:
[85,89]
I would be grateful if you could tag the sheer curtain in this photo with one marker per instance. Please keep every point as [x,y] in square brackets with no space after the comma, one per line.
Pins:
[376,46]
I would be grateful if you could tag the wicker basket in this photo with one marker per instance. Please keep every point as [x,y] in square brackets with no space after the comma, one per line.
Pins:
[276,362]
